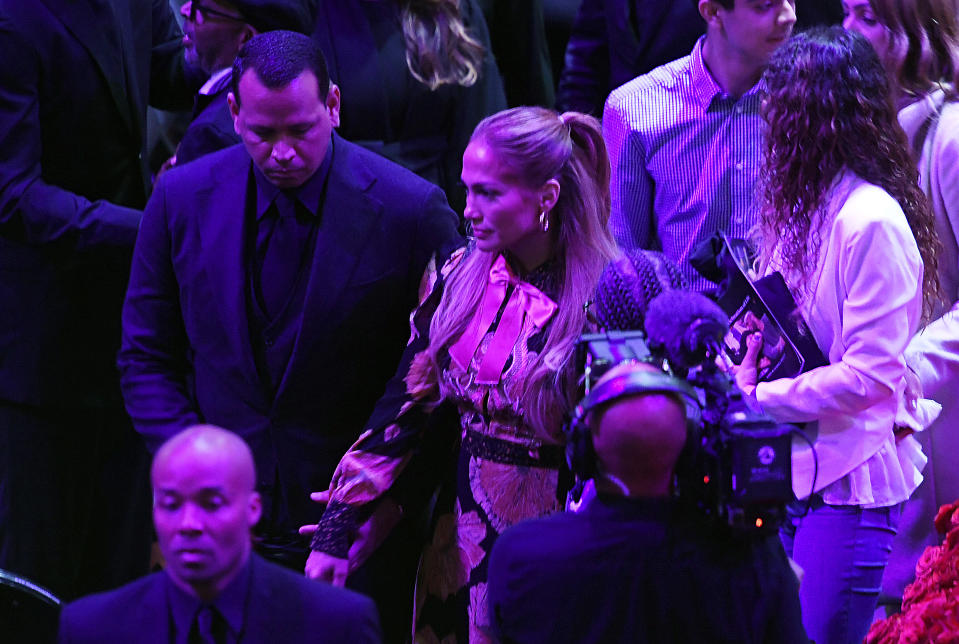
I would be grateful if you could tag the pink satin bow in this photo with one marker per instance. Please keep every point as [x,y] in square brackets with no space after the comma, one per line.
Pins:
[525,299]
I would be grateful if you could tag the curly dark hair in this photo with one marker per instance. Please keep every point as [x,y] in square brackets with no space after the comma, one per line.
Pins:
[828,109]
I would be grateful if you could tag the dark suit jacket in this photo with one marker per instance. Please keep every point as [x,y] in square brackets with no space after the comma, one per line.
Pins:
[640,570]
[283,607]
[186,351]
[211,130]
[614,41]
[75,81]
[385,109]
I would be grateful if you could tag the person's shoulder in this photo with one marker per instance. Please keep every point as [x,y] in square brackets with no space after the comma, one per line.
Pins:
[329,600]
[102,613]
[543,538]
[383,171]
[650,87]
[864,203]
[228,164]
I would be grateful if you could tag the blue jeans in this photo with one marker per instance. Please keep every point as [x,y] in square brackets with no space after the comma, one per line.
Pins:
[843,550]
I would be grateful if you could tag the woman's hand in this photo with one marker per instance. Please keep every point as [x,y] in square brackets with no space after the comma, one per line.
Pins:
[324,567]
[747,374]
[369,536]
[320,565]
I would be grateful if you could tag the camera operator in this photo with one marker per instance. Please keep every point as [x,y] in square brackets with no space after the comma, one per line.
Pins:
[637,564]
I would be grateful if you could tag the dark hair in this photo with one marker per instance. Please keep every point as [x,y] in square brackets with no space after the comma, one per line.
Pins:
[828,109]
[924,39]
[725,4]
[277,57]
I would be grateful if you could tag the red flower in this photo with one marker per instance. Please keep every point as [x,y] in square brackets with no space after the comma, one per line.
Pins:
[931,603]
[946,518]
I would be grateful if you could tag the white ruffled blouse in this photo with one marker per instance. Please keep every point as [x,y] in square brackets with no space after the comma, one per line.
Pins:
[863,303]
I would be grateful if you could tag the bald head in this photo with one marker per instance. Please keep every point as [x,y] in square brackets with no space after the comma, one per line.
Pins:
[204,506]
[638,437]
[212,443]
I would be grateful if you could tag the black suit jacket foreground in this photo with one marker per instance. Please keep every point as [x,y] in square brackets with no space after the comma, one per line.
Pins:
[640,570]
[282,607]
[75,80]
[186,352]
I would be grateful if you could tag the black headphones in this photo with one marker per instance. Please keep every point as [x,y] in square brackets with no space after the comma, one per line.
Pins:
[580,455]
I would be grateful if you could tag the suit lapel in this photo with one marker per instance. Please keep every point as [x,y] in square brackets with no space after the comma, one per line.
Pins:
[349,216]
[223,204]
[267,605]
[150,618]
[88,21]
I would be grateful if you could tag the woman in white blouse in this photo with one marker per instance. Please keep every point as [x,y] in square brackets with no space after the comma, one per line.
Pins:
[843,219]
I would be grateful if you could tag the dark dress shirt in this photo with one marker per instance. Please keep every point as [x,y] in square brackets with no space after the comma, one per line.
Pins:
[279,257]
[231,604]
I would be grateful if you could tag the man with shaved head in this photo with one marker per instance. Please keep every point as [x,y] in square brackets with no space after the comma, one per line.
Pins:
[637,565]
[213,588]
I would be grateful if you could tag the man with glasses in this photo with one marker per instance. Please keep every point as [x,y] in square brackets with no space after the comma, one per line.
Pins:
[214,31]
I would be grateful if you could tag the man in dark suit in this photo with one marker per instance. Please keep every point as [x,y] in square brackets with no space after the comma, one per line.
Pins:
[272,284]
[214,32]
[636,565]
[213,588]
[75,80]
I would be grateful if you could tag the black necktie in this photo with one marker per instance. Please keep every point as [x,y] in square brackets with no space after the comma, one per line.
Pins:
[209,627]
[280,250]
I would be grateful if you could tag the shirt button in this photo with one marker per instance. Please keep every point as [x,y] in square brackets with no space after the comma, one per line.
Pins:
[739,165]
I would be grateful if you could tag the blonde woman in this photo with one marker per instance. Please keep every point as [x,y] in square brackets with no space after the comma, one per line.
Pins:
[492,344]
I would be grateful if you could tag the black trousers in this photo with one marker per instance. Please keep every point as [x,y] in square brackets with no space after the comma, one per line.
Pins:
[74,498]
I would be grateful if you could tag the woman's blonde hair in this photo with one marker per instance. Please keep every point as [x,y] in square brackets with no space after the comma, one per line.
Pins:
[536,145]
[440,50]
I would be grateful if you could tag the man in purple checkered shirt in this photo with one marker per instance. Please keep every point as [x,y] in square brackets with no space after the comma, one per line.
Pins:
[685,140]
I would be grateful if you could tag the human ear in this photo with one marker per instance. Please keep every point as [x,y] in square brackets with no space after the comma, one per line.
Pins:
[549,195]
[254,509]
[333,104]
[709,10]
[234,110]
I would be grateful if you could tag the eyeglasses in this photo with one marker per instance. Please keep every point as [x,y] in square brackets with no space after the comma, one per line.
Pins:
[205,12]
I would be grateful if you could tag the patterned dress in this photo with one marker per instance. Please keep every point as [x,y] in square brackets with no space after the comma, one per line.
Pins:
[497,472]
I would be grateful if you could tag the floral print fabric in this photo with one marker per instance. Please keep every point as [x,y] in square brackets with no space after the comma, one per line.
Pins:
[503,473]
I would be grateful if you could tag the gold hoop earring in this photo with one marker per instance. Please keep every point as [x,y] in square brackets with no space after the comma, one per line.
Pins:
[544,220]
